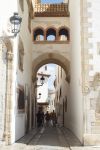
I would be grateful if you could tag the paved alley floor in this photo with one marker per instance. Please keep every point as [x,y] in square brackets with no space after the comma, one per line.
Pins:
[49,138]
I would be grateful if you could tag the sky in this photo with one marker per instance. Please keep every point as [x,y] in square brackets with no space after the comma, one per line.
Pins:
[51,1]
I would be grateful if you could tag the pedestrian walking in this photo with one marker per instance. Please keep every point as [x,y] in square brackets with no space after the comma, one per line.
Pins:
[53,118]
[40,118]
[47,118]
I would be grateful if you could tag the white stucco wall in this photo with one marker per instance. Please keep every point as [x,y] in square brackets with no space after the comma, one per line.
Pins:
[44,88]
[44,93]
[51,98]
[5,13]
[62,85]
[76,104]
[24,77]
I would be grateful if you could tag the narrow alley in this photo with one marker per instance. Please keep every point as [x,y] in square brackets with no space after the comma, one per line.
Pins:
[50,75]
[48,138]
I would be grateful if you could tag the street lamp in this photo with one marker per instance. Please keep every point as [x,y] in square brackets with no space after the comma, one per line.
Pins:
[42,79]
[15,21]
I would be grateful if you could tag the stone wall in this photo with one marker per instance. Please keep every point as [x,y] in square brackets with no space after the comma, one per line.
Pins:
[24,74]
[90,70]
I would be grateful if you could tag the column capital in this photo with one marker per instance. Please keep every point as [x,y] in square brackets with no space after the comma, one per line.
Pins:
[9,56]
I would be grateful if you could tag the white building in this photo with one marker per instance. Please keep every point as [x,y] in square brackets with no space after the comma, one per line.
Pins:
[42,89]
[51,99]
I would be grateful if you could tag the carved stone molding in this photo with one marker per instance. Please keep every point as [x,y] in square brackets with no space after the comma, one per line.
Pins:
[96,78]
[86,89]
[9,56]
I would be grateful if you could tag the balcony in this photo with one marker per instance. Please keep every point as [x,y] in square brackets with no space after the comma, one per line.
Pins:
[51,10]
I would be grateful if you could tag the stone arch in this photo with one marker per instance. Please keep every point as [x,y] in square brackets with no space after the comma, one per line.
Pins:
[51,58]
[63,30]
[51,31]
[38,31]
[6,41]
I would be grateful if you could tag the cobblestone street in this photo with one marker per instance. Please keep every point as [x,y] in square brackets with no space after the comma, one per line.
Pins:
[50,138]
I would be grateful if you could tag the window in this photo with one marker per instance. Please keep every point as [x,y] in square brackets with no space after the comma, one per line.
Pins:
[63,34]
[60,93]
[21,102]
[51,35]
[65,104]
[38,35]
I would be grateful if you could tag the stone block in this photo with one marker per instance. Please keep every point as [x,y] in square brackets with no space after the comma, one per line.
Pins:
[91,139]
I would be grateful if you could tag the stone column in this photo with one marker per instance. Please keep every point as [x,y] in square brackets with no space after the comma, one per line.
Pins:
[45,38]
[8,107]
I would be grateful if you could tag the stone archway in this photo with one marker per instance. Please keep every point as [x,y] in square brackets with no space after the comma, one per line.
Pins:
[46,58]
[51,58]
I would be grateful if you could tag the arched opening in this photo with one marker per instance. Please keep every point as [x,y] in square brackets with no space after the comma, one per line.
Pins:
[64,34]
[52,58]
[63,72]
[51,34]
[51,95]
[38,34]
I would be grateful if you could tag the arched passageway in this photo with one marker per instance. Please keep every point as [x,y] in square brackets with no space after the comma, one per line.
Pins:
[62,89]
[53,94]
